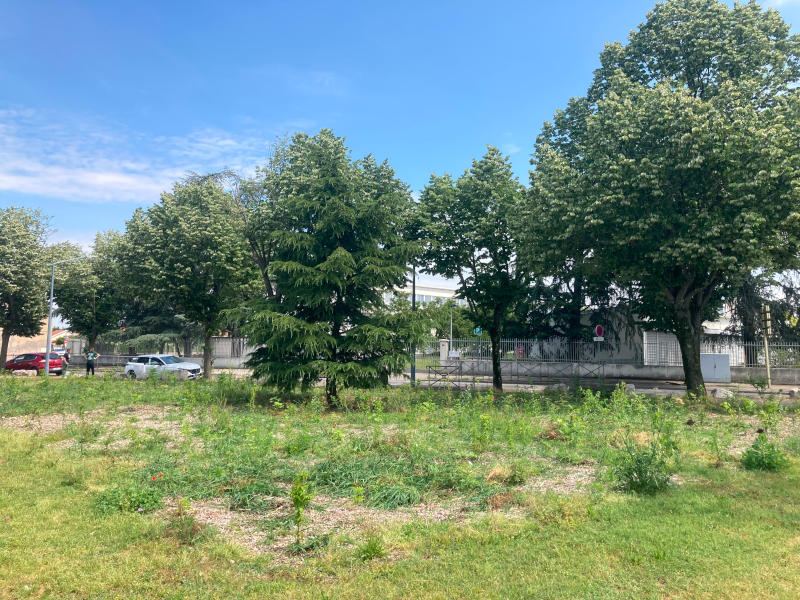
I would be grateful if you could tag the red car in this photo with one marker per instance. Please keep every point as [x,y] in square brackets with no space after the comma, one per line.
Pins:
[34,362]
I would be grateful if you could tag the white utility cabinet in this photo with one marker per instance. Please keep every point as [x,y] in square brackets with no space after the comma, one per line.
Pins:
[716,368]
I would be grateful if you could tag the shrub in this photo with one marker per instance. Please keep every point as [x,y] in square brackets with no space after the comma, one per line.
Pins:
[764,456]
[642,469]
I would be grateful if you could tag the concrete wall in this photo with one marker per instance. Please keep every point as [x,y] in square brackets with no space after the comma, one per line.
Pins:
[778,376]
[534,370]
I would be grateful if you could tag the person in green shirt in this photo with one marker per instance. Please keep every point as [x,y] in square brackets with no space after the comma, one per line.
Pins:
[91,356]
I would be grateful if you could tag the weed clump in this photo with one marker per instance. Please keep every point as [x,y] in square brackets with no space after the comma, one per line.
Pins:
[393,495]
[372,548]
[764,456]
[184,528]
[129,498]
[642,469]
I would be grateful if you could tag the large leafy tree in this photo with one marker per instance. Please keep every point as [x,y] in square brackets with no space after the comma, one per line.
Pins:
[188,251]
[679,170]
[339,248]
[23,277]
[470,238]
[87,290]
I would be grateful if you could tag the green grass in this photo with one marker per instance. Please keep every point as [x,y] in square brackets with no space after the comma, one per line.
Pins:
[70,524]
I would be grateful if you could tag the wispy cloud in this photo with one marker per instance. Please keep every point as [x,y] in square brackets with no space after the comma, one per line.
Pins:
[92,161]
[510,148]
[779,3]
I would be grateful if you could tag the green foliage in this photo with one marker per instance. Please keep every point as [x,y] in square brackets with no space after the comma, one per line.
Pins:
[644,470]
[676,175]
[338,251]
[211,441]
[391,495]
[189,251]
[646,467]
[300,495]
[482,434]
[134,497]
[469,237]
[23,274]
[88,291]
[764,456]
[371,548]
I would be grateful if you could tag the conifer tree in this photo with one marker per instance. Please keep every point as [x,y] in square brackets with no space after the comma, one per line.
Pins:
[338,250]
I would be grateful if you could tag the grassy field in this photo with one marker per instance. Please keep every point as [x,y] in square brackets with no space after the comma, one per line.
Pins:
[161,489]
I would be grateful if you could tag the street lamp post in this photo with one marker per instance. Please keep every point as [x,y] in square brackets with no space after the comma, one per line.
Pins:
[50,312]
[413,308]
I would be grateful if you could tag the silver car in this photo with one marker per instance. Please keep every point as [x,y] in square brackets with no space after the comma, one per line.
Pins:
[152,365]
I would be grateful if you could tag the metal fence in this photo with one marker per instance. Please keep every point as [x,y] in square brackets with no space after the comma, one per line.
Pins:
[662,349]
[653,349]
[551,350]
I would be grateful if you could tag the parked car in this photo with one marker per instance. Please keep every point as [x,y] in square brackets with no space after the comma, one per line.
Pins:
[34,361]
[141,367]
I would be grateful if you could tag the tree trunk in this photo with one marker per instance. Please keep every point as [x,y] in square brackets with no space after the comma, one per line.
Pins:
[187,346]
[688,335]
[330,390]
[494,335]
[177,348]
[6,338]
[576,304]
[207,356]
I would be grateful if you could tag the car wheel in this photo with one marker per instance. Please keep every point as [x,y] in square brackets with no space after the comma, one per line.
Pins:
[131,374]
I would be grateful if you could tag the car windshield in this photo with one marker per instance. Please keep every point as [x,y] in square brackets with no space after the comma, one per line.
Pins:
[170,360]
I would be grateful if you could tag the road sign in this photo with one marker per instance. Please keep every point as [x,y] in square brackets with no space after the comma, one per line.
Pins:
[598,333]
[478,331]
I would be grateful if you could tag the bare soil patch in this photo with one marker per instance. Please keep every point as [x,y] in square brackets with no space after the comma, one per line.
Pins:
[165,420]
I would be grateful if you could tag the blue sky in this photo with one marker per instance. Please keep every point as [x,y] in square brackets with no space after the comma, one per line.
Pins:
[104,104]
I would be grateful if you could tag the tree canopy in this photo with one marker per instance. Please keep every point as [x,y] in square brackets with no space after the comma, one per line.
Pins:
[339,249]
[680,167]
[23,274]
[469,235]
[190,252]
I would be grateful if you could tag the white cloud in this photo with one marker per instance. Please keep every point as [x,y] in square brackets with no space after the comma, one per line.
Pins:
[84,238]
[87,160]
[779,3]
[510,148]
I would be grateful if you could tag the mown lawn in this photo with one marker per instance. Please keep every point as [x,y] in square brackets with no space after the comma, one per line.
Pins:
[124,489]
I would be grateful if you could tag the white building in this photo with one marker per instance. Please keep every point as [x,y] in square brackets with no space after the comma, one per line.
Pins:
[427,292]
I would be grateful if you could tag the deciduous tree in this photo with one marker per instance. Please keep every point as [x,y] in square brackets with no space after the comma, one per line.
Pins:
[680,167]
[470,238]
[190,252]
[87,291]
[23,278]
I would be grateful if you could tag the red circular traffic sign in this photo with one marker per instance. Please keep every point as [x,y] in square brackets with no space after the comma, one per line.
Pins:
[599,331]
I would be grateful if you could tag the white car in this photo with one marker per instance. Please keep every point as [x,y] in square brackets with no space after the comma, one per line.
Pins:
[141,367]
